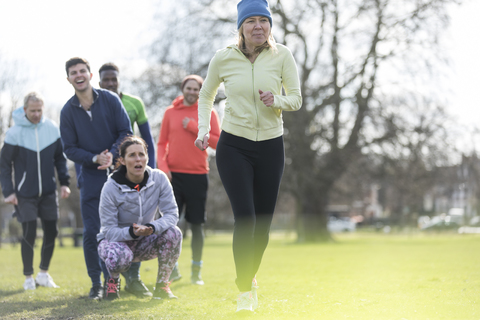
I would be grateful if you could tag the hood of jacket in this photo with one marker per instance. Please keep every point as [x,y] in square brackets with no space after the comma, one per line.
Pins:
[178,103]
[122,184]
[235,47]
[20,118]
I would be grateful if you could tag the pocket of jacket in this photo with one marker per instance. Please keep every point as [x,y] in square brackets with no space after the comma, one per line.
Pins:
[22,181]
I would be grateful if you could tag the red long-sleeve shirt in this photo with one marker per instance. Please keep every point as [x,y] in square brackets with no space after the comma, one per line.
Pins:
[176,150]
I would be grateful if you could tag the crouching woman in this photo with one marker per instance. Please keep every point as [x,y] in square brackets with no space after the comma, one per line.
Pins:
[129,232]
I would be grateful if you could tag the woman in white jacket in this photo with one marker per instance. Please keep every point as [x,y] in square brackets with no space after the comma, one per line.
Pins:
[129,232]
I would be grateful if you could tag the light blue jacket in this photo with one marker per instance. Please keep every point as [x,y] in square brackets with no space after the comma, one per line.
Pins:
[33,151]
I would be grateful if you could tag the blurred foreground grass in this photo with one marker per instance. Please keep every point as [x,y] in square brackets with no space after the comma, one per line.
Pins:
[360,276]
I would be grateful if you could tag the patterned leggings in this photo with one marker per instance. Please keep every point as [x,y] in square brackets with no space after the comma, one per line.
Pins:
[118,256]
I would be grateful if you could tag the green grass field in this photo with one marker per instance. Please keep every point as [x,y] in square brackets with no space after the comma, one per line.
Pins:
[360,276]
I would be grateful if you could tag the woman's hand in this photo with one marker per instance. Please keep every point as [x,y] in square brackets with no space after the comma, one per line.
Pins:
[267,98]
[202,145]
[141,230]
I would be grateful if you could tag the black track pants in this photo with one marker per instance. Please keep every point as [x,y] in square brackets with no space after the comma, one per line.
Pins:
[251,173]
[50,232]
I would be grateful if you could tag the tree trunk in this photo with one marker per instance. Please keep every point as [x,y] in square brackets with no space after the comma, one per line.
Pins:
[312,215]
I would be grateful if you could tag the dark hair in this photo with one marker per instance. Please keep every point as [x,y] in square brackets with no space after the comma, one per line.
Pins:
[108,66]
[127,142]
[192,77]
[74,61]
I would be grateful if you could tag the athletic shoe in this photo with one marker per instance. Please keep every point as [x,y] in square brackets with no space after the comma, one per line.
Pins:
[175,276]
[111,289]
[138,288]
[163,291]
[29,284]
[45,280]
[245,301]
[196,277]
[96,292]
[254,293]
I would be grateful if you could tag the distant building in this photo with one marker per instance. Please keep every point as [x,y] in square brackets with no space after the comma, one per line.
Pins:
[456,188]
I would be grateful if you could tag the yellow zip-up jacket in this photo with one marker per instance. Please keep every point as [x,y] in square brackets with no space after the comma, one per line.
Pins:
[245,114]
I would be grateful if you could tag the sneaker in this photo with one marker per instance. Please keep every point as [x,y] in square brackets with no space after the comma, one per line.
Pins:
[254,293]
[196,277]
[96,292]
[138,288]
[175,275]
[45,280]
[163,291]
[111,289]
[245,301]
[29,284]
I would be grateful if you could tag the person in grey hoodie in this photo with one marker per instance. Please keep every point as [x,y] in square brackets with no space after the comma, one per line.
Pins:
[129,232]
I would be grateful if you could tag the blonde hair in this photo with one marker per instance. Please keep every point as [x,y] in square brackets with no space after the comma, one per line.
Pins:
[269,44]
[32,96]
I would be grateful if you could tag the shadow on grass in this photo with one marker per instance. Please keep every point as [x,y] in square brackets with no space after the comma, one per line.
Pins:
[58,307]
[7,293]
[219,244]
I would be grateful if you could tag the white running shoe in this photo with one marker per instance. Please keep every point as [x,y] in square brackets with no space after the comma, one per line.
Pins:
[245,301]
[254,293]
[45,280]
[29,284]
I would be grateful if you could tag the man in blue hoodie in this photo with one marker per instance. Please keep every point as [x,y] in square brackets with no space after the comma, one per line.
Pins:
[93,123]
[34,149]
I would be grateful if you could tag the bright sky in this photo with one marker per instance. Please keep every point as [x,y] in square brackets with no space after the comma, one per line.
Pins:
[47,33]
[465,52]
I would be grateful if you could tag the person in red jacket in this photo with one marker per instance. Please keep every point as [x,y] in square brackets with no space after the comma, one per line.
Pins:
[186,166]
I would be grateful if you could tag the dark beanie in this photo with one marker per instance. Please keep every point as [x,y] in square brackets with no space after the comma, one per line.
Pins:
[251,8]
[191,77]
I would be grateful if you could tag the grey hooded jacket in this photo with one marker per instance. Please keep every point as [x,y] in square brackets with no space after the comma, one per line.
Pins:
[121,206]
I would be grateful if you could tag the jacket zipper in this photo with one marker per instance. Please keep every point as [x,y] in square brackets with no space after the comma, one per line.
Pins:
[140,218]
[253,91]
[39,165]
[22,181]
[91,111]
[254,100]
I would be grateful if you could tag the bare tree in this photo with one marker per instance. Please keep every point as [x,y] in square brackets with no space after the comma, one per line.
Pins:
[183,46]
[357,63]
[13,81]
[365,67]
[404,169]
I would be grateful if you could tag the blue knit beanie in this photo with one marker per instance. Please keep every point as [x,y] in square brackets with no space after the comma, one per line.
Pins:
[250,8]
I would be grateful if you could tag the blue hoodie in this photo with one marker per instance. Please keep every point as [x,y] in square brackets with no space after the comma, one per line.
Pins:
[34,150]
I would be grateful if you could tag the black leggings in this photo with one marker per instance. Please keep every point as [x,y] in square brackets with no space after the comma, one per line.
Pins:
[251,173]
[28,241]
